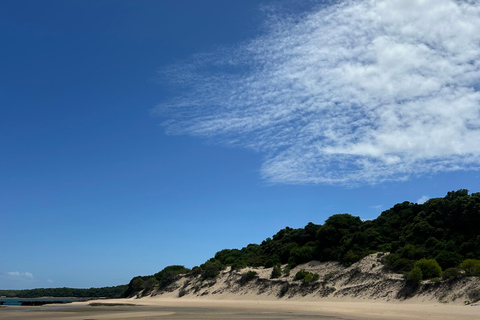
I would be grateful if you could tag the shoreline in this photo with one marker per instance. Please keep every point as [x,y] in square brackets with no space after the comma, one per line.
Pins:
[161,307]
[342,308]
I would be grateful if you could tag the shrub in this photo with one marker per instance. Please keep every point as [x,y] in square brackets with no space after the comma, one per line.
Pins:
[238,265]
[471,267]
[430,268]
[300,275]
[306,277]
[246,277]
[276,272]
[309,278]
[414,276]
[448,259]
[211,269]
[452,273]
[149,286]
[169,274]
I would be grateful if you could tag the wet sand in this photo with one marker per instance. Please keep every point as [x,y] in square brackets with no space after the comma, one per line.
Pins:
[86,312]
[226,309]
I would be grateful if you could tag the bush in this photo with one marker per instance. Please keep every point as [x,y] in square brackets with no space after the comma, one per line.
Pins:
[246,277]
[306,277]
[452,273]
[149,286]
[448,259]
[414,276]
[276,272]
[211,269]
[300,275]
[429,267]
[471,267]
[309,278]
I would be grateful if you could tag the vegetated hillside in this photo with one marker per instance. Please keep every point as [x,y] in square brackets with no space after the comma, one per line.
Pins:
[438,238]
[365,279]
[104,292]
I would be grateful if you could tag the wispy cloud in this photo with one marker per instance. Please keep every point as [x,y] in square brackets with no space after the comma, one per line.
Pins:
[361,91]
[16,275]
[423,199]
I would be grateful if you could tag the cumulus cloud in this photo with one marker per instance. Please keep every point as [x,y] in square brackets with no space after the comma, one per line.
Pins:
[357,92]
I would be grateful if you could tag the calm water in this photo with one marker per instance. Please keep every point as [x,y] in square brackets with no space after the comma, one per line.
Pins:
[16,301]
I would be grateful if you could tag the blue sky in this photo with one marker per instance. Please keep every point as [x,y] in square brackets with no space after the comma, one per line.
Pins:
[140,134]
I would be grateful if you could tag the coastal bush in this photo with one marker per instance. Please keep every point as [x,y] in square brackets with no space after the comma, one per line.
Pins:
[136,285]
[448,259]
[311,277]
[306,277]
[471,267]
[414,276]
[167,275]
[211,269]
[300,275]
[247,277]
[149,286]
[276,272]
[453,273]
[430,268]
[301,255]
[238,265]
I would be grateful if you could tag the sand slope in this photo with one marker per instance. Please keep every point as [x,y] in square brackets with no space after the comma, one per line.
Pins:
[364,280]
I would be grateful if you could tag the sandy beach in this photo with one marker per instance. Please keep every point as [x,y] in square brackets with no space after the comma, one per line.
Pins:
[247,308]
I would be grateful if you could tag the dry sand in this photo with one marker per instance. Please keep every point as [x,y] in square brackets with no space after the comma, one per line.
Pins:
[246,308]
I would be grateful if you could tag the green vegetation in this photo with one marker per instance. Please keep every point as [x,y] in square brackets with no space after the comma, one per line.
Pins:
[306,277]
[247,277]
[105,292]
[429,267]
[471,267]
[276,272]
[422,239]
[159,280]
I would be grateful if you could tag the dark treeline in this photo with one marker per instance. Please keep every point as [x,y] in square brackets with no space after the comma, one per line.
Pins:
[106,292]
[443,234]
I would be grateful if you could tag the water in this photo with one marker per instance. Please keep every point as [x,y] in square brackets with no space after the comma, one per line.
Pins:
[16,301]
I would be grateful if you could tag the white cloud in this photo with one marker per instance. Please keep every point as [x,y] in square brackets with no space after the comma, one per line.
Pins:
[358,92]
[16,275]
[423,199]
